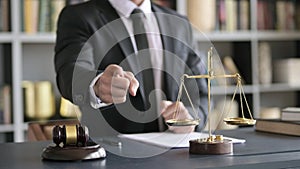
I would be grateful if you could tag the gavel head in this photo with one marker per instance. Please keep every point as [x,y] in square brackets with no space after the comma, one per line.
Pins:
[70,135]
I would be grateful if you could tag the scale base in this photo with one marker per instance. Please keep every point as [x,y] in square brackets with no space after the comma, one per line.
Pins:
[215,147]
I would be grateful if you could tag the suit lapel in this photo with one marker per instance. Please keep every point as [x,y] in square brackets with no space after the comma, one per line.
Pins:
[118,30]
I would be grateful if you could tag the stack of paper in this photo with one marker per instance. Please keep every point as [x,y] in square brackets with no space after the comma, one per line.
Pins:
[171,140]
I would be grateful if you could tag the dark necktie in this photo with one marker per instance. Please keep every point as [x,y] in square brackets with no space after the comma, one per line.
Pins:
[143,54]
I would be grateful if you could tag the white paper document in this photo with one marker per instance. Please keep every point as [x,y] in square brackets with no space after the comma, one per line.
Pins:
[171,140]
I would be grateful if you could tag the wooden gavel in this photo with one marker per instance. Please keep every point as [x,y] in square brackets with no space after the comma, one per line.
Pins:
[70,135]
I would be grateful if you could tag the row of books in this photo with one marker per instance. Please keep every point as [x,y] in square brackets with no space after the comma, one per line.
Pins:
[288,122]
[270,69]
[225,15]
[42,15]
[279,15]
[39,100]
[232,15]
[40,104]
[277,70]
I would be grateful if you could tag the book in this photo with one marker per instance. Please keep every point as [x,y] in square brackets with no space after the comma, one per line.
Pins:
[28,99]
[290,114]
[280,15]
[231,15]
[55,8]
[44,16]
[5,15]
[68,109]
[202,14]
[221,15]
[243,15]
[265,63]
[30,15]
[44,100]
[260,15]
[230,68]
[287,71]
[270,113]
[278,126]
[5,104]
[290,15]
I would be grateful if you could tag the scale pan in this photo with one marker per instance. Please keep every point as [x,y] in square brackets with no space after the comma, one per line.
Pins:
[183,122]
[239,121]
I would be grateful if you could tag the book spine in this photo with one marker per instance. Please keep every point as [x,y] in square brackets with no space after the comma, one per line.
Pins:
[280,15]
[231,15]
[7,104]
[244,15]
[5,15]
[31,9]
[29,99]
[55,8]
[68,109]
[265,63]
[260,15]
[44,16]
[290,15]
[44,100]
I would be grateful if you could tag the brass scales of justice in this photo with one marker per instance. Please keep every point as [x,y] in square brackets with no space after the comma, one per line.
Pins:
[213,144]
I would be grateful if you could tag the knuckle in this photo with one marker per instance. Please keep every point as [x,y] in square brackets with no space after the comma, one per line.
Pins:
[130,74]
[114,69]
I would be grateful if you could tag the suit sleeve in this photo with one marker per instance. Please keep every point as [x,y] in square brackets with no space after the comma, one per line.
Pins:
[73,59]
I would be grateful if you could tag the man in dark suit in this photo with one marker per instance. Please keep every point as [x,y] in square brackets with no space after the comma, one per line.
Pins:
[99,66]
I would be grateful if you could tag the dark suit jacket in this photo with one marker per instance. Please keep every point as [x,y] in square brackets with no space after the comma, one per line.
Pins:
[91,36]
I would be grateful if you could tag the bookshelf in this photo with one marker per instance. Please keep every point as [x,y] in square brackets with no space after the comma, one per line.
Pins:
[31,55]
[283,44]
[32,52]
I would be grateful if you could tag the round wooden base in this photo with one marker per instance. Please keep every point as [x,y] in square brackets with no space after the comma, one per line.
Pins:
[214,147]
[73,153]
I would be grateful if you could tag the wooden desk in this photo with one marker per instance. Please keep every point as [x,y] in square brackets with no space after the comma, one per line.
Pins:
[261,150]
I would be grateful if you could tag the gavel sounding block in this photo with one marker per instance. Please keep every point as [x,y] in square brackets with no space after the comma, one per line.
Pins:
[74,153]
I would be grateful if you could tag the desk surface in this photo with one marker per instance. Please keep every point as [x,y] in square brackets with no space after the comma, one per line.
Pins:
[261,150]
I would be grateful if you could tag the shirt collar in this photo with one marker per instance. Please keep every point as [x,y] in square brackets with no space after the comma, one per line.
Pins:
[125,7]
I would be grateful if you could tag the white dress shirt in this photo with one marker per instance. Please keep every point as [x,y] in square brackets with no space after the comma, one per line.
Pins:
[124,8]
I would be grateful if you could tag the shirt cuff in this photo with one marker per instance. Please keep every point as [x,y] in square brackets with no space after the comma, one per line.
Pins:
[95,101]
